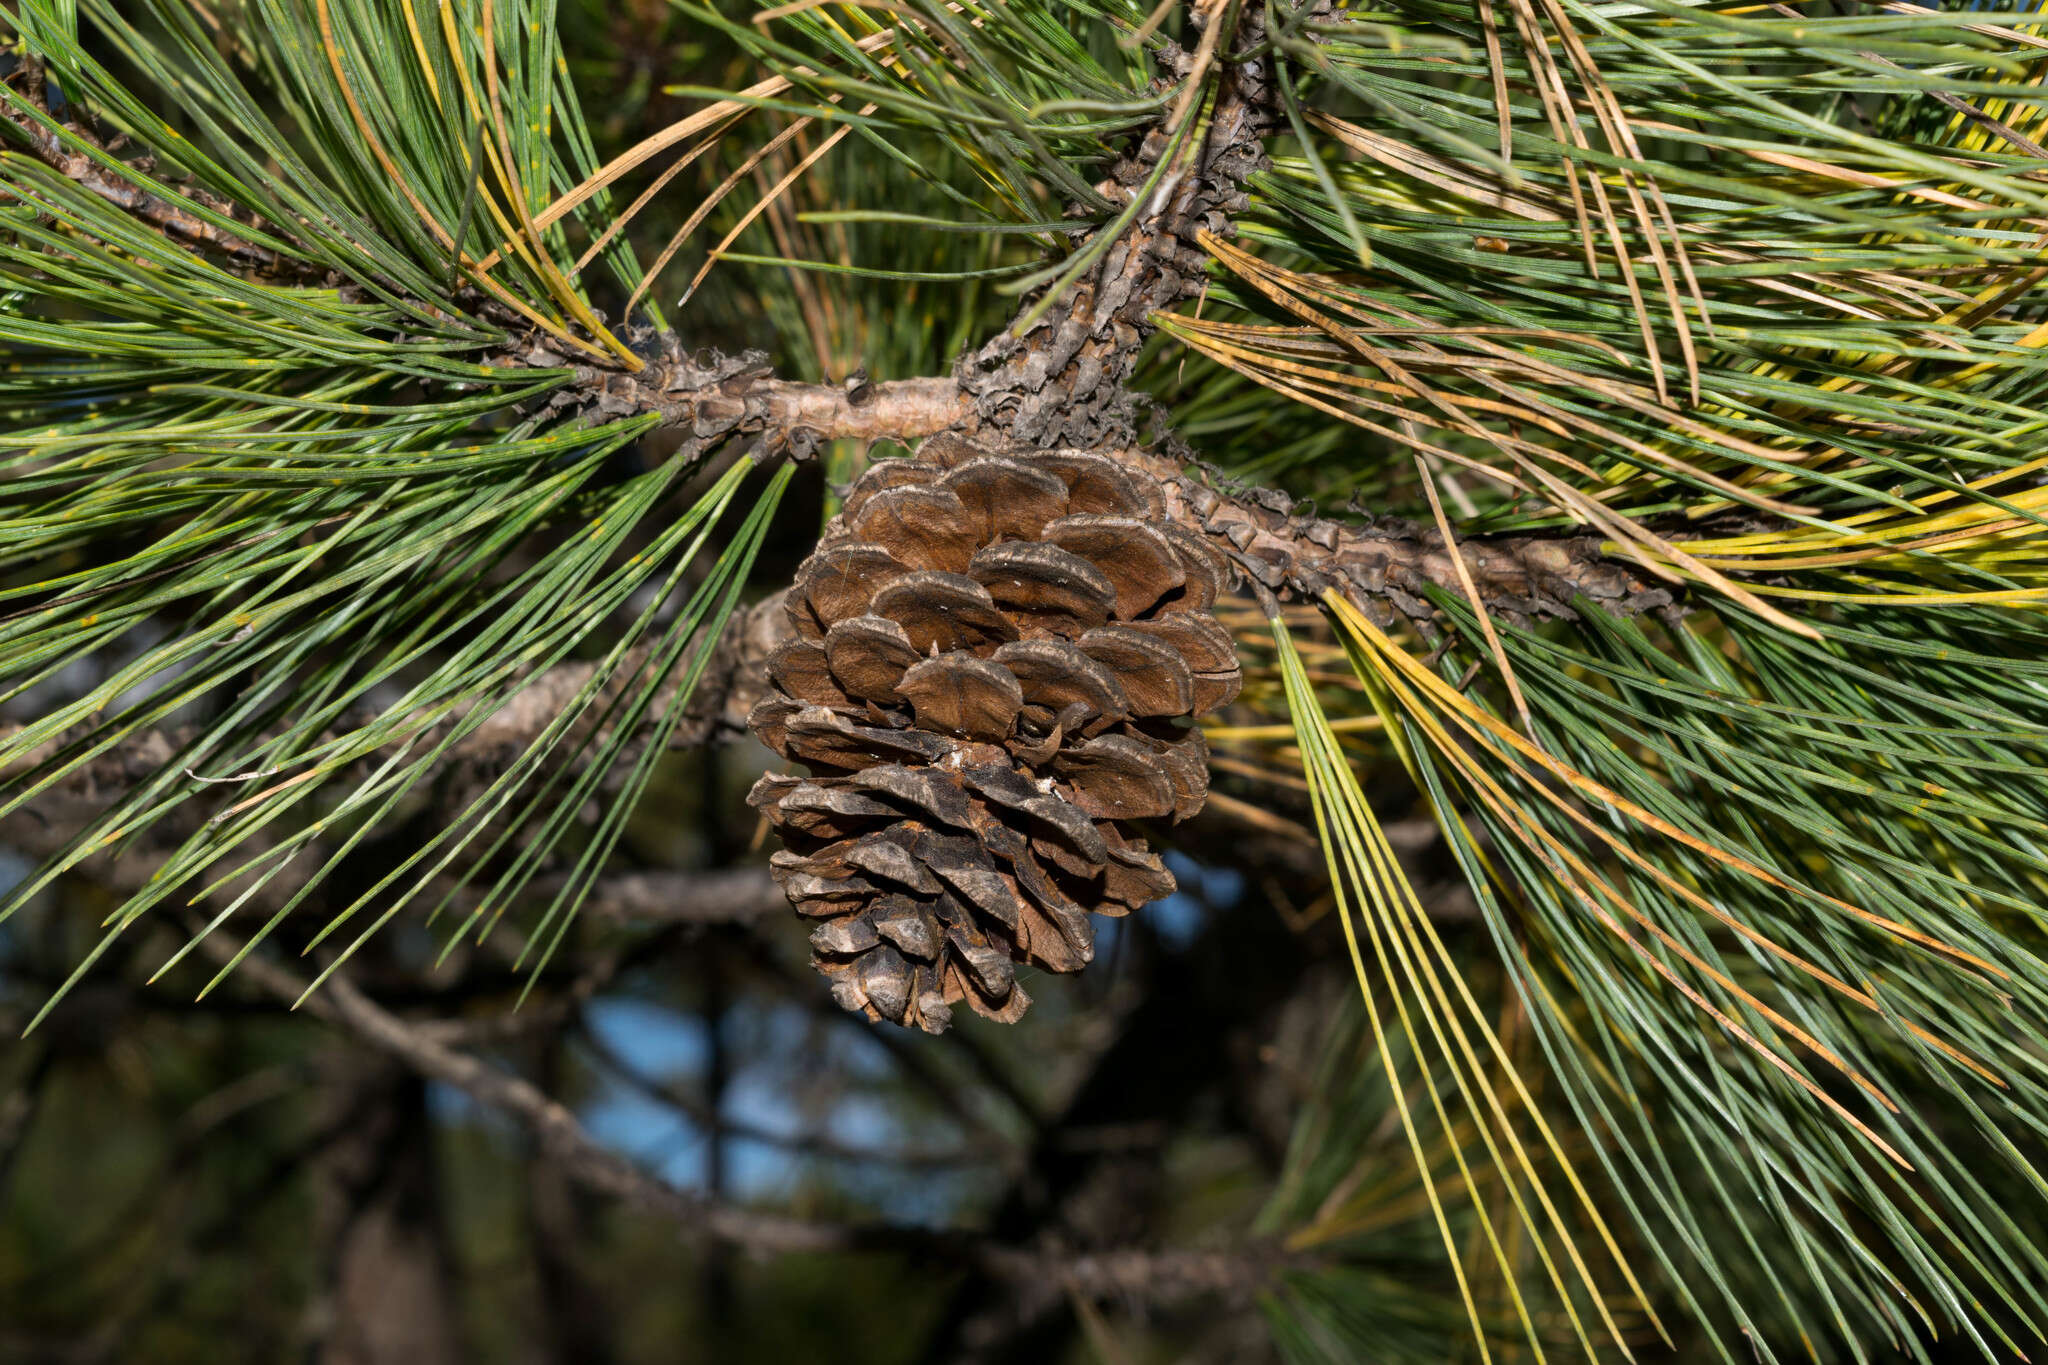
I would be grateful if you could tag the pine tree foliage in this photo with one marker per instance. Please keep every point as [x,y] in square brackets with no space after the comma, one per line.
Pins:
[305,429]
[289,469]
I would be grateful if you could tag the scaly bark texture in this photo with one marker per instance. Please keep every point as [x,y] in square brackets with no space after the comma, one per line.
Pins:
[1063,380]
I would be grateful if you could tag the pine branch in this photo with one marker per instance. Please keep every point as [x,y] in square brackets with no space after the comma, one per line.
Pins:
[1388,565]
[713,397]
[1271,541]
[121,190]
[725,896]
[1157,1278]
[1059,374]
[1062,379]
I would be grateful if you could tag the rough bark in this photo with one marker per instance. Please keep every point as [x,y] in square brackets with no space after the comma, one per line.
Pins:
[1388,563]
[1063,380]
[1273,542]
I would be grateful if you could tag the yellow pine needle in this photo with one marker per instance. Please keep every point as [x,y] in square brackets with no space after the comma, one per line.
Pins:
[534,249]
[1395,891]
[780,188]
[682,130]
[1564,123]
[1269,282]
[419,50]
[1491,367]
[1475,720]
[1472,595]
[1917,597]
[1497,71]
[710,202]
[1615,128]
[1300,697]
[491,149]
[1223,734]
[769,16]
[1569,870]
[1254,368]
[1464,181]
[721,111]
[1378,689]
[1974,535]
[1391,927]
[2029,499]
[646,196]
[1478,724]
[478,272]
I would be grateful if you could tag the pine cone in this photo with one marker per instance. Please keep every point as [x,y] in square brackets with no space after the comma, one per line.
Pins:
[994,661]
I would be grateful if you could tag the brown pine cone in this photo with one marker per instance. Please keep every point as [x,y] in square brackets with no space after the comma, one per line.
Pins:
[995,661]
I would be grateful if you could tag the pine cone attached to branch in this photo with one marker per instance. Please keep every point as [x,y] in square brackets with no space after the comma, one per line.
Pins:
[996,659]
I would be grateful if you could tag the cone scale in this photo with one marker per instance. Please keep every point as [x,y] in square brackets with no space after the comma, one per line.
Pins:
[996,662]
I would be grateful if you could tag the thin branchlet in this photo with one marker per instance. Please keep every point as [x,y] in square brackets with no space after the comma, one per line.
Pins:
[121,189]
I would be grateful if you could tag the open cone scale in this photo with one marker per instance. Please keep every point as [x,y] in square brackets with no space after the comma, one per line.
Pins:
[996,660]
